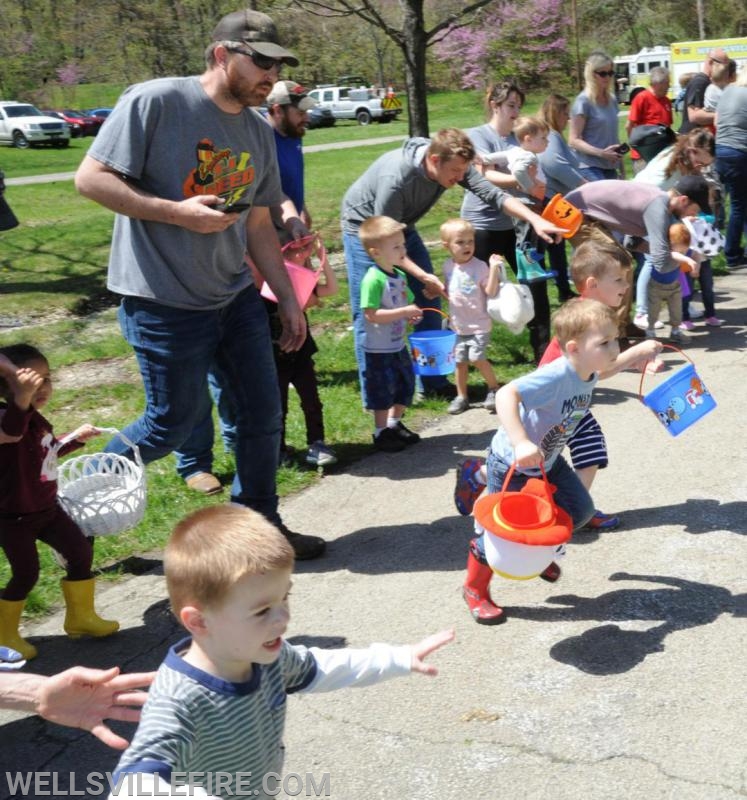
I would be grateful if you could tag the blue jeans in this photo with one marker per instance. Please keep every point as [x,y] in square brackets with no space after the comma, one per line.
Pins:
[196,454]
[645,267]
[358,262]
[731,165]
[175,348]
[598,173]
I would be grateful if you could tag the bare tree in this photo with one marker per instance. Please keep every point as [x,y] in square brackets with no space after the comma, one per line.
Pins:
[412,38]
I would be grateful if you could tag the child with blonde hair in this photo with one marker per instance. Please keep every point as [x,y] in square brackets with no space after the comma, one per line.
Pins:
[600,270]
[469,283]
[522,161]
[538,413]
[387,305]
[216,711]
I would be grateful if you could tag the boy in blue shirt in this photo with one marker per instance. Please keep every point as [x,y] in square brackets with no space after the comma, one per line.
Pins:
[538,414]
[387,304]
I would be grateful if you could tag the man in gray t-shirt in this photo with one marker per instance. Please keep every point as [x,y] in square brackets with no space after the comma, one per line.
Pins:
[190,171]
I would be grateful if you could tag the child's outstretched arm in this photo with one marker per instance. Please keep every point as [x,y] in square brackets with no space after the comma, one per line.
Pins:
[83,433]
[634,357]
[429,645]
[337,669]
[507,402]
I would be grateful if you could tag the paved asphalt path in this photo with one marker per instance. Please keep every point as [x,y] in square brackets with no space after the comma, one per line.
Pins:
[625,680]
[55,177]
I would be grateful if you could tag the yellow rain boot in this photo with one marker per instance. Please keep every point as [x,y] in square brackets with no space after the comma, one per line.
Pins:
[81,618]
[10,616]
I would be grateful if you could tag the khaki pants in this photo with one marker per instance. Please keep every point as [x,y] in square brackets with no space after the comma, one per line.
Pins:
[669,293]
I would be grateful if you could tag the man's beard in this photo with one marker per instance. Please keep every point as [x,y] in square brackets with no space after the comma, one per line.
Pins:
[291,131]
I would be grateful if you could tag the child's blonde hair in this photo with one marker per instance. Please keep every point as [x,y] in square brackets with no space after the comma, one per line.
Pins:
[679,235]
[375,229]
[453,227]
[19,355]
[595,257]
[575,318]
[213,548]
[529,126]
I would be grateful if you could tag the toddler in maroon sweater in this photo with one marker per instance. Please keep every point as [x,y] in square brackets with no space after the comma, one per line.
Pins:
[29,509]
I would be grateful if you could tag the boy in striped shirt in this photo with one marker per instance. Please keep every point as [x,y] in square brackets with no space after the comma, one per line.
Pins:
[215,714]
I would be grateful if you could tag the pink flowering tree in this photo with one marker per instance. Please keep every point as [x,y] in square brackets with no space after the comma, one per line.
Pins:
[526,41]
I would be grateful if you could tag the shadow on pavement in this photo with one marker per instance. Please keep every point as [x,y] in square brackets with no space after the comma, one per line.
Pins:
[608,649]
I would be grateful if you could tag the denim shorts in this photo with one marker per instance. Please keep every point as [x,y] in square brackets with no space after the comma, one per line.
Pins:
[388,380]
[473,347]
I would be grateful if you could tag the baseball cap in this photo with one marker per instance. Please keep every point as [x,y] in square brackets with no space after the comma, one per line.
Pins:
[255,29]
[286,93]
[696,188]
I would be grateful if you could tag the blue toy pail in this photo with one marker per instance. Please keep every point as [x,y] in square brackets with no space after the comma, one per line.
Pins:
[433,352]
[680,401]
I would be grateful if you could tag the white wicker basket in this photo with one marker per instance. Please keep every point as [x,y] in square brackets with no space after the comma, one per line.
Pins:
[103,492]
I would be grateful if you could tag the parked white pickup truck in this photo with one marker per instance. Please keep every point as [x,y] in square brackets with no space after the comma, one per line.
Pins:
[361,104]
[22,125]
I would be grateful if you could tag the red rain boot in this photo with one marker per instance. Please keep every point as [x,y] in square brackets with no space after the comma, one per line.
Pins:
[551,573]
[476,594]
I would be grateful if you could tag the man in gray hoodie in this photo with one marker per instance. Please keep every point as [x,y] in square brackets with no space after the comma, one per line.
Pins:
[405,184]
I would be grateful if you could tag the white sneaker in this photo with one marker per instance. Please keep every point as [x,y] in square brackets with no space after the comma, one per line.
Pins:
[641,321]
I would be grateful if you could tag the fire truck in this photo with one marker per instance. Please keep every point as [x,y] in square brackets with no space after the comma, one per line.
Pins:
[632,71]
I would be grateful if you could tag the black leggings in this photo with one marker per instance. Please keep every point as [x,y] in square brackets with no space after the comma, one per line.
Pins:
[488,242]
[18,537]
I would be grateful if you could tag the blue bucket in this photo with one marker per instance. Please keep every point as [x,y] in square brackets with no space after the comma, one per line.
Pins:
[433,352]
[680,401]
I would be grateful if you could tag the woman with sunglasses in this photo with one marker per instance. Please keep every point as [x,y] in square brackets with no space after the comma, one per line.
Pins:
[593,133]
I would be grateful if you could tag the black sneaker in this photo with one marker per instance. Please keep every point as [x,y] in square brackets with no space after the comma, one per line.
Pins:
[406,435]
[389,441]
[305,547]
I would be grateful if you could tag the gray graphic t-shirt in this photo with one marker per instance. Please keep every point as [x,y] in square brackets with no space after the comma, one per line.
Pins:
[168,138]
[553,401]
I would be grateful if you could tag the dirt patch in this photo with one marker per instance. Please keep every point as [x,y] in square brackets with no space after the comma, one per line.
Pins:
[94,373]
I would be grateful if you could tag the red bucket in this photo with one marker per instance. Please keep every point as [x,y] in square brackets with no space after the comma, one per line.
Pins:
[524,531]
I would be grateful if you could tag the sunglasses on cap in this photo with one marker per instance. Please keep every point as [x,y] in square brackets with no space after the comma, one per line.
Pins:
[604,73]
[716,60]
[264,63]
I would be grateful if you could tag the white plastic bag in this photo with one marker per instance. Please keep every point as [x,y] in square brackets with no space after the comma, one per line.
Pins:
[513,305]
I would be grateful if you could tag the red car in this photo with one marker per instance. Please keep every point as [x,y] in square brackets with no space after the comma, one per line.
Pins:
[80,124]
